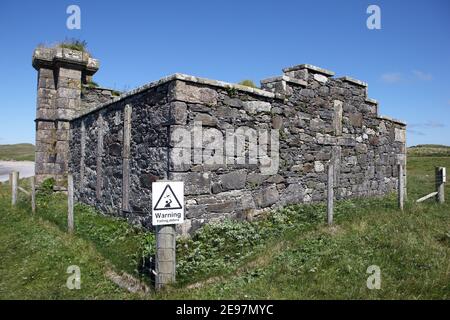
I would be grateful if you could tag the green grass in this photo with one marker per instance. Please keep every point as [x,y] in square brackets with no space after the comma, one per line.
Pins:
[291,254]
[17,152]
[35,255]
[308,260]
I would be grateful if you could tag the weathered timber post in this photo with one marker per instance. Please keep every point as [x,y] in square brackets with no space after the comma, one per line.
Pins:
[330,195]
[440,184]
[33,195]
[126,158]
[14,182]
[401,187]
[70,223]
[99,169]
[165,255]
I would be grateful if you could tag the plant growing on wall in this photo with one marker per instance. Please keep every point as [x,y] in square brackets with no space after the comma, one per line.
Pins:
[74,44]
[248,83]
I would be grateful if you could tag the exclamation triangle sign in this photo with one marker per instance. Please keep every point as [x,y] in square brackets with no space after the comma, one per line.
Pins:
[167,200]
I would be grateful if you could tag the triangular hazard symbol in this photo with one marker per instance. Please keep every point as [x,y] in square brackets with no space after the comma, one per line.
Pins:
[167,200]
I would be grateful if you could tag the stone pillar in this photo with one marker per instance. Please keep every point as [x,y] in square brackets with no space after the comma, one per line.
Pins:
[61,73]
[307,71]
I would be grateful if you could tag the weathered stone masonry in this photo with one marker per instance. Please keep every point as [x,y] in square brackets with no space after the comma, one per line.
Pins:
[118,148]
[62,78]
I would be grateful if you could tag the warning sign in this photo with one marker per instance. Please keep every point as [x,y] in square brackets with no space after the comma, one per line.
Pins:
[167,202]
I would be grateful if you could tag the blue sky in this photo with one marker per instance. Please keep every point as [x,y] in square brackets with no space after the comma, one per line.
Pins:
[406,63]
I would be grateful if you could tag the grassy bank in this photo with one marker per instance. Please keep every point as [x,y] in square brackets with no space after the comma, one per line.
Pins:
[17,152]
[429,150]
[289,254]
[35,255]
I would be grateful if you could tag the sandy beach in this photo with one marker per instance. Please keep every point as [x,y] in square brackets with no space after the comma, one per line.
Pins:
[25,168]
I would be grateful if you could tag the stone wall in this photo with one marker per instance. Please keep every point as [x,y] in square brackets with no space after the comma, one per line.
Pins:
[121,147]
[93,97]
[101,164]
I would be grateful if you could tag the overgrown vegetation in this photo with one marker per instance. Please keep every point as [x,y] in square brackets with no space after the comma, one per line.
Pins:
[74,44]
[248,83]
[17,152]
[123,245]
[290,253]
[115,93]
[92,84]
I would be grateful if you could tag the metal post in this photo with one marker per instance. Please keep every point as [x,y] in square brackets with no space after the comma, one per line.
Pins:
[401,187]
[165,255]
[330,196]
[70,223]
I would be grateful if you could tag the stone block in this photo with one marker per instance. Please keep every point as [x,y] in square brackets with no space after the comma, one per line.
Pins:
[356,119]
[183,91]
[178,112]
[180,159]
[266,197]
[321,78]
[254,107]
[277,122]
[46,113]
[222,207]
[233,102]
[195,183]
[400,135]
[294,193]
[319,166]
[46,125]
[233,180]
[206,119]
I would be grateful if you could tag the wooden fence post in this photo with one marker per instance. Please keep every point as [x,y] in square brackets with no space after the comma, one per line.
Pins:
[70,223]
[14,182]
[401,187]
[330,195]
[126,158]
[33,195]
[440,184]
[165,255]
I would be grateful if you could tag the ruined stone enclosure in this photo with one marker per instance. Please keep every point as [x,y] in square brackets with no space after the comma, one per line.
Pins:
[203,132]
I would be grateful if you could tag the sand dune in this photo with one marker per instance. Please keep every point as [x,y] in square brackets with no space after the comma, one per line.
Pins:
[25,168]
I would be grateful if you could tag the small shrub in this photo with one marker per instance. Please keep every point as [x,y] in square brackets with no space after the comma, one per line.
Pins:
[74,44]
[92,84]
[45,192]
[232,92]
[248,83]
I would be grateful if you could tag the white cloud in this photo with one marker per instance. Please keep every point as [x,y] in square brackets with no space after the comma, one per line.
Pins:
[416,132]
[423,76]
[396,77]
[427,124]
[392,77]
